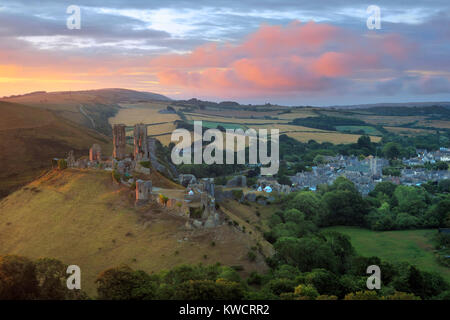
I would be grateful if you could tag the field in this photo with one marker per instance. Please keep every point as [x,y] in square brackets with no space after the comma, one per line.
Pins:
[357,129]
[96,226]
[143,113]
[413,246]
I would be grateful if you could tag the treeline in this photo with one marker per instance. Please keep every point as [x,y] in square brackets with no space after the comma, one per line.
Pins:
[326,122]
[403,111]
[387,207]
[332,271]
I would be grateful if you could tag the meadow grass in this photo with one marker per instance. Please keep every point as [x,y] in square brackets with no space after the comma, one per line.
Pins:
[413,246]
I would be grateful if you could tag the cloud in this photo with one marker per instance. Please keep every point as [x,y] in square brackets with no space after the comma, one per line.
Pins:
[254,50]
[299,57]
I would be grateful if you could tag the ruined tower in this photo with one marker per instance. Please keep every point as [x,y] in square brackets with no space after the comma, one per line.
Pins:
[95,153]
[119,141]
[140,142]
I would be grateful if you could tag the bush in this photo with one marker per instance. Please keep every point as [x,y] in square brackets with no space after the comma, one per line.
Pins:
[163,199]
[116,176]
[146,164]
[62,164]
[251,255]
[237,194]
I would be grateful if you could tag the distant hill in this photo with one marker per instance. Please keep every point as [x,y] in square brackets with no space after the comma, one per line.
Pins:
[390,104]
[30,137]
[90,108]
[81,217]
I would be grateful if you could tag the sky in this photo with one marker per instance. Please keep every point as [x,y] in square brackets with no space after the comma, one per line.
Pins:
[288,52]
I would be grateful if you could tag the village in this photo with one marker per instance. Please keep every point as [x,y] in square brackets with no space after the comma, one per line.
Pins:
[366,173]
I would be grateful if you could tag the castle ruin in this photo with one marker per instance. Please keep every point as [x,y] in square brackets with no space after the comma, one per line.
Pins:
[140,142]
[119,141]
[95,153]
[143,191]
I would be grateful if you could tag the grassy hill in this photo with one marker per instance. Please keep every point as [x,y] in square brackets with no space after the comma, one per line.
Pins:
[413,246]
[90,108]
[31,137]
[82,218]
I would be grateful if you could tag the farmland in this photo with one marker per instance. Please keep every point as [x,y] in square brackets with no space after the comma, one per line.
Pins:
[413,246]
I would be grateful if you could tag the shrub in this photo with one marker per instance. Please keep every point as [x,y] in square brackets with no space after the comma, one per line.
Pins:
[62,164]
[251,255]
[116,176]
[145,164]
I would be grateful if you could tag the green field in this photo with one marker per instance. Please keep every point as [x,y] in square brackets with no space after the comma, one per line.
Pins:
[413,246]
[356,129]
[214,125]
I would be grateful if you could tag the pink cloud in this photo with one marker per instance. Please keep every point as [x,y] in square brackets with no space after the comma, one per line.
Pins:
[275,59]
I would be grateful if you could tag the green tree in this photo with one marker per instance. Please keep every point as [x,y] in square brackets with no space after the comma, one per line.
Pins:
[392,150]
[364,142]
[122,283]
[209,290]
[410,199]
[17,278]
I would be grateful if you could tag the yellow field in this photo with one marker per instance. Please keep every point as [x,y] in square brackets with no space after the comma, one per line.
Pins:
[143,113]
[195,116]
[297,114]
[287,128]
[435,124]
[82,218]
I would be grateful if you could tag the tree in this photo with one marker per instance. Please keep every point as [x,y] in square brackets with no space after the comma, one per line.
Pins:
[284,180]
[362,295]
[441,165]
[278,286]
[17,278]
[306,253]
[209,290]
[364,142]
[444,185]
[344,208]
[122,283]
[51,275]
[307,202]
[410,199]
[385,187]
[324,281]
[306,292]
[163,199]
[319,159]
[392,150]
[401,296]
